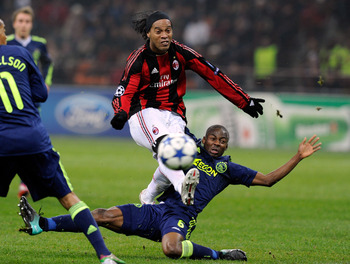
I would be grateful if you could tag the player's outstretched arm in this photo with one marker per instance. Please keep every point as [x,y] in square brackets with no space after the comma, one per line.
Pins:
[254,107]
[306,149]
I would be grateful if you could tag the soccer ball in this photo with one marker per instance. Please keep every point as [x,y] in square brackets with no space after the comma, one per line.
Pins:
[177,151]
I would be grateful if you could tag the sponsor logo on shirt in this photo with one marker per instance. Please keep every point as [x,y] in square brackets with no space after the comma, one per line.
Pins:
[205,167]
[164,81]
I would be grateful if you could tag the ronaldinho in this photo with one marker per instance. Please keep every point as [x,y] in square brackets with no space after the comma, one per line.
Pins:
[11,61]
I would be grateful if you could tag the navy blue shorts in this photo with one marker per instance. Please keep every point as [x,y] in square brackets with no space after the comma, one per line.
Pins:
[154,221]
[43,174]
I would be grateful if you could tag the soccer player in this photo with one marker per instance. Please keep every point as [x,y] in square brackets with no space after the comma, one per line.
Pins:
[172,222]
[23,23]
[26,148]
[150,95]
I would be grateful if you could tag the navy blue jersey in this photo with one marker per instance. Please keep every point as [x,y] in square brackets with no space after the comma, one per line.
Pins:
[38,50]
[215,175]
[171,215]
[21,86]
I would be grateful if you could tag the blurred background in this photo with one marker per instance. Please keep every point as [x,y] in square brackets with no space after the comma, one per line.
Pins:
[296,53]
[269,45]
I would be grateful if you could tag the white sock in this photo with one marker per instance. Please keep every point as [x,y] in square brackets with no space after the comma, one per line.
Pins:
[158,184]
[176,177]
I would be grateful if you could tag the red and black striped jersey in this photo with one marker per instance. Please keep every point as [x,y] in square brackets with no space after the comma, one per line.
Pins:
[159,81]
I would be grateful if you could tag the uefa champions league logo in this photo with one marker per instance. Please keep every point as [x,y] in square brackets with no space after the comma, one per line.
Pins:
[119,91]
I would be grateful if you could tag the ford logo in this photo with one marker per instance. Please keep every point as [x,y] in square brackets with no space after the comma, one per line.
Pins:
[84,113]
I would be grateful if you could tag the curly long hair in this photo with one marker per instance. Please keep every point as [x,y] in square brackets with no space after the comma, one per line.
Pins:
[138,22]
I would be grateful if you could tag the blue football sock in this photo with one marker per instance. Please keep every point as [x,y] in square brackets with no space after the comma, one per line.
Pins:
[195,251]
[85,222]
[61,223]
[51,224]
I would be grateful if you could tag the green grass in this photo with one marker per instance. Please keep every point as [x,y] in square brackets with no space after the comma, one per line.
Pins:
[303,219]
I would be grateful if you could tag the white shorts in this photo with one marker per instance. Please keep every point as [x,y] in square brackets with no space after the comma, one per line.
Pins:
[150,123]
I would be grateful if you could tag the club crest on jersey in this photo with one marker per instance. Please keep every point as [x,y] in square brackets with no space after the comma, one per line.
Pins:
[176,65]
[155,130]
[221,167]
[119,91]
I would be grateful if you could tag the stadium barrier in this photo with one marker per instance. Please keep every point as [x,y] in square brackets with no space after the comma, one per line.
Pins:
[287,117]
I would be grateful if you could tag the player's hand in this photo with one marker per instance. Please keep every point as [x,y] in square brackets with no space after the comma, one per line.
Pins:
[308,147]
[254,108]
[119,120]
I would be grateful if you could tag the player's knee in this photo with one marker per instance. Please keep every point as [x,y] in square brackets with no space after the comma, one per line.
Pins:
[98,215]
[112,217]
[172,249]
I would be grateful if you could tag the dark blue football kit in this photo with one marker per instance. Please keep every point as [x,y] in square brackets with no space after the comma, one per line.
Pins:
[26,148]
[171,215]
[37,48]
[153,221]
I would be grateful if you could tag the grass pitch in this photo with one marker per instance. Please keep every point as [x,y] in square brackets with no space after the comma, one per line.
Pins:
[305,218]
